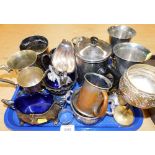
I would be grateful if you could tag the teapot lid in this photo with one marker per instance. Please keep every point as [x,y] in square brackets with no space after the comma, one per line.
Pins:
[91,49]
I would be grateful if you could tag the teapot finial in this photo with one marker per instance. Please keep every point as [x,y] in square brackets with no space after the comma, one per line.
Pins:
[94,40]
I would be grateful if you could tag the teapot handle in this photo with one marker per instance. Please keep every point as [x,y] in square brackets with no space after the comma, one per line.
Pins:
[77,40]
[104,105]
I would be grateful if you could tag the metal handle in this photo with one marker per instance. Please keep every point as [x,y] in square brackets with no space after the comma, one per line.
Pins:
[6,68]
[9,103]
[104,105]
[116,75]
[8,81]
[101,71]
[48,60]
[77,40]
[148,56]
[68,100]
[111,113]
[45,73]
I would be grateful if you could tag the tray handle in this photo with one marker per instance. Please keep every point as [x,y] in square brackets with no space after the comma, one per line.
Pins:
[9,103]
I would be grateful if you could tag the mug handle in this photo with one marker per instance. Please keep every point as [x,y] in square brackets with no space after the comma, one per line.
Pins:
[104,106]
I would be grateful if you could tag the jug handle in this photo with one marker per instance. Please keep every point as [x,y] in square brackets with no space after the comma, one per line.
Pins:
[6,68]
[104,105]
[8,81]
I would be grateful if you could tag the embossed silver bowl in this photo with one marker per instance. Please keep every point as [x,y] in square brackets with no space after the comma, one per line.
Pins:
[137,86]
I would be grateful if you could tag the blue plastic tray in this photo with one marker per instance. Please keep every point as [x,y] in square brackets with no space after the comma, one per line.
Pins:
[107,123]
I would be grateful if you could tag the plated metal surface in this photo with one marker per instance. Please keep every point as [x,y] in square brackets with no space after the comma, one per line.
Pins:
[128,54]
[53,86]
[120,34]
[34,109]
[97,55]
[107,123]
[80,117]
[37,43]
[123,116]
[93,98]
[63,59]
[137,86]
[29,78]
[91,55]
[20,60]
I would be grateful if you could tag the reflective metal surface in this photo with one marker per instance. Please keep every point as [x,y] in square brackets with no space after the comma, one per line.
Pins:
[91,49]
[128,54]
[30,76]
[37,103]
[91,55]
[22,59]
[123,116]
[35,109]
[120,34]
[63,59]
[37,43]
[93,98]
[77,114]
[137,86]
[53,86]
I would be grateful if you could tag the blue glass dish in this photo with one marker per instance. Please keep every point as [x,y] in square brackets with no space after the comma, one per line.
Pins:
[36,103]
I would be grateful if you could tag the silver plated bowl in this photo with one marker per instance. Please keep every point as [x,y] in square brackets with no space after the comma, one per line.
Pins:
[80,117]
[137,86]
